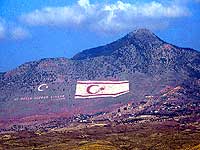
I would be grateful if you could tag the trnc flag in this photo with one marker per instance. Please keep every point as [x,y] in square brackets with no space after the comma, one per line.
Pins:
[95,89]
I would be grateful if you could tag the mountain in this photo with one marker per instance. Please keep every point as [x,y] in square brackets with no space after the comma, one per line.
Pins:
[149,63]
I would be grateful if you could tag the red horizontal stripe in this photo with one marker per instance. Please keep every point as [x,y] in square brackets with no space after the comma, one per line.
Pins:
[101,94]
[104,96]
[102,82]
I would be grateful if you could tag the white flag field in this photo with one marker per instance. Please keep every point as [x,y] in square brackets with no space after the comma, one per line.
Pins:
[96,89]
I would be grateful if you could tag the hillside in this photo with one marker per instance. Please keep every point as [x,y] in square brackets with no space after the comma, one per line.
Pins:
[147,62]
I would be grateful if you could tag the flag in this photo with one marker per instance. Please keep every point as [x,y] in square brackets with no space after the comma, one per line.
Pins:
[96,89]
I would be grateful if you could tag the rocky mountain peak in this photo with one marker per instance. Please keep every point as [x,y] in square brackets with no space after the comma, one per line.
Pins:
[140,38]
[143,36]
[141,32]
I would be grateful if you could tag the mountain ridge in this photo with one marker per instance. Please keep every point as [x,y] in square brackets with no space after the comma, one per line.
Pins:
[149,64]
[142,30]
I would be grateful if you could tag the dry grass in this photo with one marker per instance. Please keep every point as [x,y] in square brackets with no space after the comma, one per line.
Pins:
[153,136]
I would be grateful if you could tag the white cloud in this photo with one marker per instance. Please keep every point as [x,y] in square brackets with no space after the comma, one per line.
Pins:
[106,17]
[2,29]
[9,30]
[84,3]
[19,33]
[53,16]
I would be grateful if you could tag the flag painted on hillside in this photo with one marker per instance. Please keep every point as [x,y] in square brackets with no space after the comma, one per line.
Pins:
[96,89]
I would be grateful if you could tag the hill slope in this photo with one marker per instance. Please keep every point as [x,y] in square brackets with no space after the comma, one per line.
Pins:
[149,63]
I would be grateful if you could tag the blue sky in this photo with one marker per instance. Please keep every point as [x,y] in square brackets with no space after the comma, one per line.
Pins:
[33,29]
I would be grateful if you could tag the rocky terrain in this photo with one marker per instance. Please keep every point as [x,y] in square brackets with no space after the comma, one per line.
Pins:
[149,63]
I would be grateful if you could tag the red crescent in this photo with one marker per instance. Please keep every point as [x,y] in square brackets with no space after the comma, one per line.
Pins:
[89,87]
